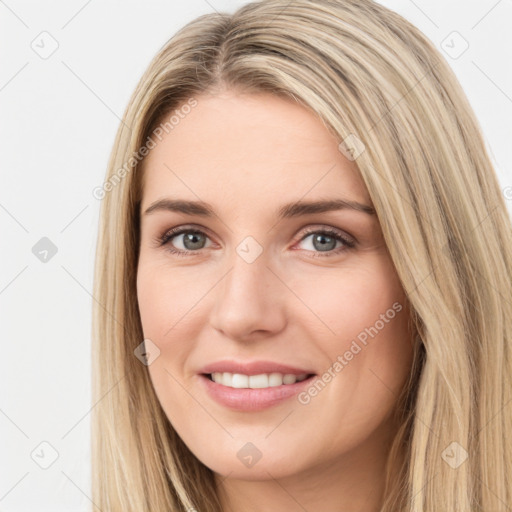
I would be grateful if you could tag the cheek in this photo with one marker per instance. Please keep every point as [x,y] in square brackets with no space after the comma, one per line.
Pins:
[163,311]
[166,298]
[364,328]
[368,351]
[348,302]
[155,297]
[169,303]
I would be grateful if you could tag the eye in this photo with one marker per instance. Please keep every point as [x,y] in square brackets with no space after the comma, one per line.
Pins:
[325,241]
[191,240]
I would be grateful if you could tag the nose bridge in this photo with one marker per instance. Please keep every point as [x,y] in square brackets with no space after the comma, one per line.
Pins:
[247,276]
[248,299]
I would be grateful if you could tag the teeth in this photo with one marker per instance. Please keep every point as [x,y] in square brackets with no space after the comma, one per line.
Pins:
[258,381]
[239,381]
[275,379]
[263,380]
[289,379]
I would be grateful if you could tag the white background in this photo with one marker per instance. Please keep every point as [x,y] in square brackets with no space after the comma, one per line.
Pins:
[58,117]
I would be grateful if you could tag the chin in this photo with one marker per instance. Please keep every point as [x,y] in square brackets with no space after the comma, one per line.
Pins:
[256,461]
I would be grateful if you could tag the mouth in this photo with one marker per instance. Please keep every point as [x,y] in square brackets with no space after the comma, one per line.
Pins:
[251,393]
[253,385]
[259,381]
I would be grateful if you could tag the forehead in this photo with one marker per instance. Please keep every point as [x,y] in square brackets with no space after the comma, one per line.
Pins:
[235,146]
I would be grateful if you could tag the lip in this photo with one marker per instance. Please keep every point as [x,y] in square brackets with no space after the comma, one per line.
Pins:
[248,399]
[253,368]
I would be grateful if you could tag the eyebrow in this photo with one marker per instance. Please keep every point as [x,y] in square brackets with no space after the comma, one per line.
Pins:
[287,211]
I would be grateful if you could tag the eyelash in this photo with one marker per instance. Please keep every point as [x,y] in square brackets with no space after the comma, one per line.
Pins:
[172,233]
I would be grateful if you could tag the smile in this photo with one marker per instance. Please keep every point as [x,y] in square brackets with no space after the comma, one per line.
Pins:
[261,381]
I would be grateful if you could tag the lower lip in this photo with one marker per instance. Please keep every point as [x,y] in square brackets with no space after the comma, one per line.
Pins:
[248,399]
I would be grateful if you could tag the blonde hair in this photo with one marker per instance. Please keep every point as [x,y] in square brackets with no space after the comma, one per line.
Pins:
[367,73]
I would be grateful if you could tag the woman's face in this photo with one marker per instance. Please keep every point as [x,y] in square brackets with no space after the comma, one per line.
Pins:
[295,308]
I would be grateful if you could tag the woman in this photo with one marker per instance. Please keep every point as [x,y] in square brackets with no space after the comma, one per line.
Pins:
[303,276]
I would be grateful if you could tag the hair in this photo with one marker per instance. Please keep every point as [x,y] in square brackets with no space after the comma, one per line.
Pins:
[365,72]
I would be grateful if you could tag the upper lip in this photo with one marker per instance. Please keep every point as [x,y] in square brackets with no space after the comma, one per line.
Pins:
[252,368]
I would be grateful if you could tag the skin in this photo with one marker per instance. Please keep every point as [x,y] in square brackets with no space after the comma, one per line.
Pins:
[246,155]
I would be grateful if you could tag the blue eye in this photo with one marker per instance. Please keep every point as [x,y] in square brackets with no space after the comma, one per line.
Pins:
[323,241]
[192,240]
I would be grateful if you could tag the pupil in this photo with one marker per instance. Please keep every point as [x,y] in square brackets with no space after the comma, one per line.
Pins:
[323,245]
[192,237]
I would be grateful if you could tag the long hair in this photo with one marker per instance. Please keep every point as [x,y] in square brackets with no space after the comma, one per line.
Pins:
[373,78]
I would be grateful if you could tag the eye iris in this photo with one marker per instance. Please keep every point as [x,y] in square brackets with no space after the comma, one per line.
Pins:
[320,237]
[193,237]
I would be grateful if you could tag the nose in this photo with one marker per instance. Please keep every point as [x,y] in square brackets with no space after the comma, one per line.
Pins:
[250,301]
